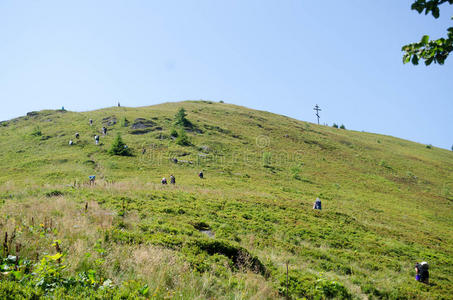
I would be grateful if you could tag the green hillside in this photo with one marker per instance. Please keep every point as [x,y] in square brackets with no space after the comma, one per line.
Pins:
[387,204]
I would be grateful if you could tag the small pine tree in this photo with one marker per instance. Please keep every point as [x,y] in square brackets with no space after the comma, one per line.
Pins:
[119,147]
[125,122]
[174,133]
[342,126]
[335,125]
[180,118]
[182,139]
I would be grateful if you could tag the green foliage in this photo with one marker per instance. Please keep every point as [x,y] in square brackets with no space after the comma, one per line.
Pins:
[335,125]
[125,122]
[267,158]
[181,120]
[203,228]
[174,133]
[300,286]
[119,147]
[295,172]
[429,146]
[430,51]
[342,126]
[331,289]
[54,193]
[182,138]
[36,131]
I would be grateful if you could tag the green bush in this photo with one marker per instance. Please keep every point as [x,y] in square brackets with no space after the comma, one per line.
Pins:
[119,147]
[335,125]
[342,126]
[174,133]
[182,139]
[181,120]
[429,146]
[36,131]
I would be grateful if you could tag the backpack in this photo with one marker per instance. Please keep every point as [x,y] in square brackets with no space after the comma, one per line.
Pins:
[423,270]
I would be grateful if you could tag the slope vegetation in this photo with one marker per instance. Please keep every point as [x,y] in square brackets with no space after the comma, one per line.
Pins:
[387,204]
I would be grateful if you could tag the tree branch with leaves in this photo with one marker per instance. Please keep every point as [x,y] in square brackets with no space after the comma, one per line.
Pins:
[428,50]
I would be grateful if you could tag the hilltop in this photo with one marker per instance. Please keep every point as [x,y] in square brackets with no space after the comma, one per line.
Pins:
[387,204]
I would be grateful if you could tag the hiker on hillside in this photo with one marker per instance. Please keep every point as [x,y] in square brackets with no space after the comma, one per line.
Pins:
[91,122]
[164,180]
[77,135]
[172,179]
[96,139]
[317,204]
[421,272]
[104,130]
[119,104]
[92,178]
[200,174]
[71,142]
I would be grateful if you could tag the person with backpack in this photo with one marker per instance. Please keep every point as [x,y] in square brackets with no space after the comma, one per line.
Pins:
[317,204]
[96,139]
[77,135]
[91,122]
[164,180]
[200,174]
[172,179]
[422,272]
[104,130]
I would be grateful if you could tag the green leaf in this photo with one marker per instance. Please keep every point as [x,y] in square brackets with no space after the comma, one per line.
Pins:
[144,290]
[436,12]
[429,60]
[415,59]
[406,58]
[425,39]
[56,256]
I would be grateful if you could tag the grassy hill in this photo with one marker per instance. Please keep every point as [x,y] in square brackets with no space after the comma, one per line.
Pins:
[387,204]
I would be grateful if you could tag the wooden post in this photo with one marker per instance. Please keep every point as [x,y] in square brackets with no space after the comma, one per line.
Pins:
[287,283]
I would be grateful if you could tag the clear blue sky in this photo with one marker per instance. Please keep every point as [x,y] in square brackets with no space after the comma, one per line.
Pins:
[282,56]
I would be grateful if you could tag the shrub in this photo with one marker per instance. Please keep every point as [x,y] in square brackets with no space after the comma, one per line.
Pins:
[182,139]
[335,125]
[429,146]
[221,101]
[119,147]
[174,133]
[180,118]
[36,131]
[54,193]
[342,126]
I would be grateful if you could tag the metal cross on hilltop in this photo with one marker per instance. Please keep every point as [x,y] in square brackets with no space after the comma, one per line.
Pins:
[317,111]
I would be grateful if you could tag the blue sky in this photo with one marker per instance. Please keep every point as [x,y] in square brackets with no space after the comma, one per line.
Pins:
[282,56]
